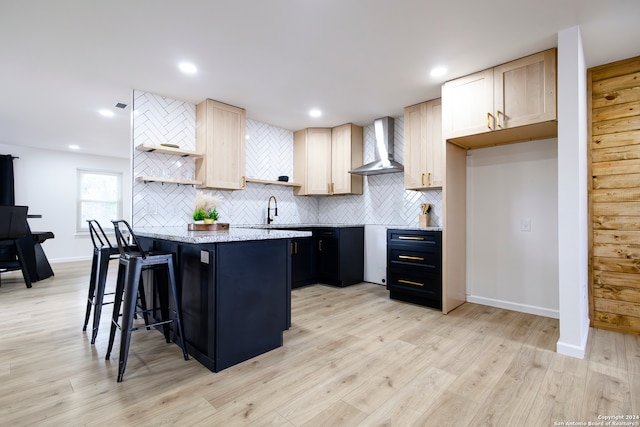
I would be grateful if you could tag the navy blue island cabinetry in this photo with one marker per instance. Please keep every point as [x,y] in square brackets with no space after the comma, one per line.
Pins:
[235,289]
[334,256]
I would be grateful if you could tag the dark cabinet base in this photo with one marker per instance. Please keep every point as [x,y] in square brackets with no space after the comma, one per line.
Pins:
[414,266]
[416,299]
[333,256]
[235,298]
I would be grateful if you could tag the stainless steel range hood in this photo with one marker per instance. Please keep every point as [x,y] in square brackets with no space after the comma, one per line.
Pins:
[383,162]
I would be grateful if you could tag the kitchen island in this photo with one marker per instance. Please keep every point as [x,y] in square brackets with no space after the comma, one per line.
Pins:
[235,287]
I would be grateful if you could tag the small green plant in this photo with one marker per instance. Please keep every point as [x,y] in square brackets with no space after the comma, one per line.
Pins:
[199,214]
[213,214]
[205,207]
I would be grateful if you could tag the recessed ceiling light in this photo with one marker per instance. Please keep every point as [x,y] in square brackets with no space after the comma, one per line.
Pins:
[74,147]
[106,113]
[438,71]
[315,113]
[188,68]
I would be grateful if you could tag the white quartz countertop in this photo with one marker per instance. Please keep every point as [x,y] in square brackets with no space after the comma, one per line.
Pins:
[234,234]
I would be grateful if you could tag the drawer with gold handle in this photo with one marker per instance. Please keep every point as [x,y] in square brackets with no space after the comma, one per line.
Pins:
[424,260]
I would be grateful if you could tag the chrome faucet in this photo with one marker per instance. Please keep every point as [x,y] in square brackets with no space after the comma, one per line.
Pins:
[269,219]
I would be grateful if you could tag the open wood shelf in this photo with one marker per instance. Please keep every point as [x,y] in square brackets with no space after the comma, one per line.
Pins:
[268,182]
[146,179]
[168,150]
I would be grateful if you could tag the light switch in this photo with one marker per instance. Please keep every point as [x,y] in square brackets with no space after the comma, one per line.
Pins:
[525,225]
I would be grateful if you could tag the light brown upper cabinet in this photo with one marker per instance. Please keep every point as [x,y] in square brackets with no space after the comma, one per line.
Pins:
[220,135]
[509,103]
[322,158]
[346,154]
[423,146]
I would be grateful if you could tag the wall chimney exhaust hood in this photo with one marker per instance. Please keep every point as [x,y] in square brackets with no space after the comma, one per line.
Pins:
[383,162]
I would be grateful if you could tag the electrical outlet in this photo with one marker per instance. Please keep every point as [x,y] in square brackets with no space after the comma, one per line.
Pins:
[525,225]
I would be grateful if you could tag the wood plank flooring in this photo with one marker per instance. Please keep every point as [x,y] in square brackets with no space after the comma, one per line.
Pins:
[352,357]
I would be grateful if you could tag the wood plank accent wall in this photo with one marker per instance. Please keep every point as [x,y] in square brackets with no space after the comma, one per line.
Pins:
[614,195]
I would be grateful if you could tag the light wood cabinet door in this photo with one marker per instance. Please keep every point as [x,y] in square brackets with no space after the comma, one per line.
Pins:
[525,90]
[323,157]
[220,135]
[467,105]
[509,103]
[312,161]
[424,146]
[346,154]
[415,150]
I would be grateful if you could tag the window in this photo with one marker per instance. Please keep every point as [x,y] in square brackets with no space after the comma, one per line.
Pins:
[99,198]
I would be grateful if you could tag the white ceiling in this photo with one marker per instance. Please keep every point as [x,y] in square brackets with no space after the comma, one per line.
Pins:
[356,60]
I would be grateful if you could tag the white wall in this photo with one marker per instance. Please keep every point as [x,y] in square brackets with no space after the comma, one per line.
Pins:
[572,194]
[506,266]
[45,180]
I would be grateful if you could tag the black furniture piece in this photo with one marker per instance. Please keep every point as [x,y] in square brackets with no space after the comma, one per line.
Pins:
[103,252]
[42,267]
[133,261]
[414,266]
[14,232]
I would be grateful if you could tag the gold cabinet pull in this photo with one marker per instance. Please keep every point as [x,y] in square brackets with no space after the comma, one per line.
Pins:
[410,238]
[292,252]
[489,121]
[409,282]
[244,181]
[499,113]
[429,179]
[414,258]
[319,245]
[333,187]
[423,179]
[328,188]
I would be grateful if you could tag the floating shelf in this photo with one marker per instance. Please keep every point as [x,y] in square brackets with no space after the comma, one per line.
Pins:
[146,179]
[168,150]
[268,182]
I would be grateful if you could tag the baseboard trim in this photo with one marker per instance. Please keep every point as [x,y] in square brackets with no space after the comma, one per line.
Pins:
[577,351]
[508,305]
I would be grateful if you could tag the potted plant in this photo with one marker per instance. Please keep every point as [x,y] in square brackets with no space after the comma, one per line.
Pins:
[205,208]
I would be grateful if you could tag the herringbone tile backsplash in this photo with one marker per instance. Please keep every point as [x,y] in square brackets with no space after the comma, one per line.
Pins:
[269,154]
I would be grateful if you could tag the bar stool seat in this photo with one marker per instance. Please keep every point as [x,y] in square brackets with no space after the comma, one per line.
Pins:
[103,252]
[133,261]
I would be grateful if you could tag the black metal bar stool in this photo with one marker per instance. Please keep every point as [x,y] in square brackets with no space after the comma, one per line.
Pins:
[133,261]
[103,252]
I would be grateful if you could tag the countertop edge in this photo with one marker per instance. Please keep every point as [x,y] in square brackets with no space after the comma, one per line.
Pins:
[234,234]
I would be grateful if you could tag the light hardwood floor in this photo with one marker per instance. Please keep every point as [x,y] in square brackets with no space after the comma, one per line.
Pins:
[352,357]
